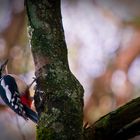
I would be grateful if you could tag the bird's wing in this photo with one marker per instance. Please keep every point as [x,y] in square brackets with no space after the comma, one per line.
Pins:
[10,95]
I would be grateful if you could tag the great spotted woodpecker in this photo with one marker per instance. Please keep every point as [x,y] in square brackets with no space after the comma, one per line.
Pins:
[15,93]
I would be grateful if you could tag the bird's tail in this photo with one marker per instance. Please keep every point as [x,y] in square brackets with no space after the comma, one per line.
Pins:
[32,115]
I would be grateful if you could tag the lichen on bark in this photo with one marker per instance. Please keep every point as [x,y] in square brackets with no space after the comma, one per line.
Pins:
[58,95]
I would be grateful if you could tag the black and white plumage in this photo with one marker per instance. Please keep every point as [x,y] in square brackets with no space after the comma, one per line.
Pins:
[10,94]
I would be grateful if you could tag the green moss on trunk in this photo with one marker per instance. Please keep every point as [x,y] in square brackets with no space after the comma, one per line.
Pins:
[59,96]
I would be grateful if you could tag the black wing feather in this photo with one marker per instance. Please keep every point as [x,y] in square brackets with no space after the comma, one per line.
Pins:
[14,102]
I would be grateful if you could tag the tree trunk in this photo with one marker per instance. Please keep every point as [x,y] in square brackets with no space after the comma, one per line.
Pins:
[58,95]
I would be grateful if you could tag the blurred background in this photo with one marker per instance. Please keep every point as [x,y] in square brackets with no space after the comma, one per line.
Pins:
[103,39]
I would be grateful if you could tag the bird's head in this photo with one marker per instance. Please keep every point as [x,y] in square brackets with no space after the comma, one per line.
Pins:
[3,68]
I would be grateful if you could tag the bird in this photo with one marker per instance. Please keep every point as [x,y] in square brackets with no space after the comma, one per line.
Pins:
[15,94]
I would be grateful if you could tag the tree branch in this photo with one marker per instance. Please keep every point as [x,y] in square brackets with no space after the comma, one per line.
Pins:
[129,131]
[106,128]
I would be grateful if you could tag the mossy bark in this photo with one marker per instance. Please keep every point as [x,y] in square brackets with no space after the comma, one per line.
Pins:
[58,95]
[117,124]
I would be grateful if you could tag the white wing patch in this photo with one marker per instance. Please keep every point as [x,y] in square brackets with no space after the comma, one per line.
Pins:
[7,91]
[16,106]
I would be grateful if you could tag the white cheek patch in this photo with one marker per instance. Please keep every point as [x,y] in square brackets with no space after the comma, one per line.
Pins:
[7,91]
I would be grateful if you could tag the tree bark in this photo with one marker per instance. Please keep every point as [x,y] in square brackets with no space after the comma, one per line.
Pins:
[58,95]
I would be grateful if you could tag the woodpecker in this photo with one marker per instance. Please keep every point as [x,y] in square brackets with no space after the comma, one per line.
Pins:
[15,93]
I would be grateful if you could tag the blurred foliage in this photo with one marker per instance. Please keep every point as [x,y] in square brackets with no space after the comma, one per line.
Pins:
[135,22]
